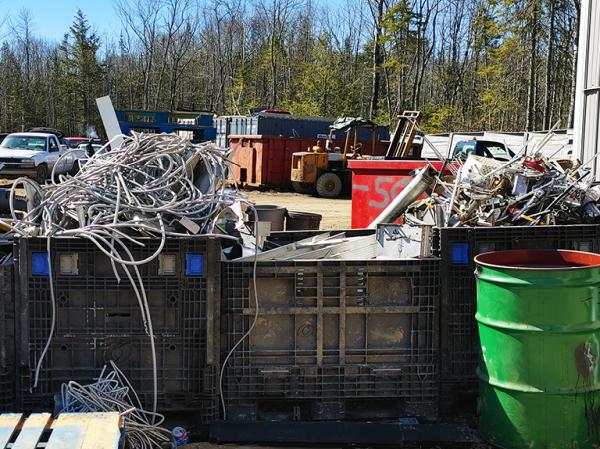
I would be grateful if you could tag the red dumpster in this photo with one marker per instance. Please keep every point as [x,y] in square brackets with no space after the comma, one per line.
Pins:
[376,182]
[267,160]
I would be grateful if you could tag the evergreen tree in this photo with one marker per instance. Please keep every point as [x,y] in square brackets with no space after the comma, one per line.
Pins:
[80,76]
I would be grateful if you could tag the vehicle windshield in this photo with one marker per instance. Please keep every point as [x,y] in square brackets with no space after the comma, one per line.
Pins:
[24,143]
[491,150]
[464,149]
[496,151]
[74,143]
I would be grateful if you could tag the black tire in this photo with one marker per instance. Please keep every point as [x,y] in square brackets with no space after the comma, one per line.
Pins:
[41,174]
[303,187]
[329,185]
[74,169]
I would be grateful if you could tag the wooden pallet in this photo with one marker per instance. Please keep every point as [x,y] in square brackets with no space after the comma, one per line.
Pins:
[68,431]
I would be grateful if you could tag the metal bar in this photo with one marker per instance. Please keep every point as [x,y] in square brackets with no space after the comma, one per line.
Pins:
[342,317]
[320,319]
[420,183]
[354,310]
[341,432]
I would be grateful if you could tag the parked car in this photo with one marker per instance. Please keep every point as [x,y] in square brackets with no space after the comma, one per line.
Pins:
[483,148]
[75,142]
[89,149]
[34,155]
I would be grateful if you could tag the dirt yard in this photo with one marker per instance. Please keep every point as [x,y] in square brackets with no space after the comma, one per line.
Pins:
[336,213]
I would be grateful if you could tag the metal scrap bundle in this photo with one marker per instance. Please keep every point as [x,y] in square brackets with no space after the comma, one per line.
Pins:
[526,191]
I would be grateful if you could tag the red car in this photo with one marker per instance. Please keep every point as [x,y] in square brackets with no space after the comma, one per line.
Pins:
[74,142]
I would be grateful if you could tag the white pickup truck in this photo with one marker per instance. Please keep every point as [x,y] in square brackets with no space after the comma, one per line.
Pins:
[34,155]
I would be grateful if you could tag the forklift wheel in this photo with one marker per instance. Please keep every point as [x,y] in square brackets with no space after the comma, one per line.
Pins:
[329,185]
[303,187]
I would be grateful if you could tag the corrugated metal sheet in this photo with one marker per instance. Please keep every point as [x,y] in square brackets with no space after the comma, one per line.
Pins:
[587,97]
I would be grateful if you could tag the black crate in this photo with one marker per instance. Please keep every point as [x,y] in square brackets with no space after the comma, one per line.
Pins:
[7,339]
[185,382]
[98,318]
[332,332]
[457,247]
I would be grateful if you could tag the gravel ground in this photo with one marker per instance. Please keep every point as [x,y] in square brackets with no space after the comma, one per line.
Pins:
[336,213]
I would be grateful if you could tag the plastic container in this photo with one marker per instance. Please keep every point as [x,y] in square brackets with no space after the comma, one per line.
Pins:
[459,336]
[539,329]
[98,319]
[337,339]
[301,221]
[274,214]
[7,340]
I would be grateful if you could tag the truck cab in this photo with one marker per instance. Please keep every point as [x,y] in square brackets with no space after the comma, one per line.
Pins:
[34,155]
[484,148]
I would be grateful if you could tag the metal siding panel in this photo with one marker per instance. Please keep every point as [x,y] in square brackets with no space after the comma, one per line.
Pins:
[587,107]
[440,141]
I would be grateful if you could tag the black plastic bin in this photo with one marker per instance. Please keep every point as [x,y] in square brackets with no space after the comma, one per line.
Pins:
[98,319]
[334,340]
[7,340]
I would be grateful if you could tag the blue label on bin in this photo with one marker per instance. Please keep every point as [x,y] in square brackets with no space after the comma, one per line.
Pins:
[39,264]
[460,253]
[194,264]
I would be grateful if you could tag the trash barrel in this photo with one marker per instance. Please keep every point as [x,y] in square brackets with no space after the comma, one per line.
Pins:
[274,214]
[301,221]
[539,330]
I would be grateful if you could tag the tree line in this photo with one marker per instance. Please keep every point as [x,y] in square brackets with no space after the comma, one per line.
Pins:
[466,64]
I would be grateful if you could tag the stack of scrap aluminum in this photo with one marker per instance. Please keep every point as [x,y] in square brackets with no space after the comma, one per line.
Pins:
[328,245]
[389,241]
[525,191]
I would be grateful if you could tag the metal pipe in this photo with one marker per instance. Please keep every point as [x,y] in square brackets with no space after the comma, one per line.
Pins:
[422,180]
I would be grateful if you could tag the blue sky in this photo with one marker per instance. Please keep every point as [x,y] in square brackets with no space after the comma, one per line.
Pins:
[52,18]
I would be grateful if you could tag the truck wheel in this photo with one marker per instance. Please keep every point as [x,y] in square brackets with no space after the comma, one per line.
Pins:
[303,187]
[329,185]
[74,169]
[41,174]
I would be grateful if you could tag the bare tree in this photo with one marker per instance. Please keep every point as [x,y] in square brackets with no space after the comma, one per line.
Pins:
[140,19]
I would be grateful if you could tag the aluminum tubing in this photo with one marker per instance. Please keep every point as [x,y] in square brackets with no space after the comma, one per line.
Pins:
[422,180]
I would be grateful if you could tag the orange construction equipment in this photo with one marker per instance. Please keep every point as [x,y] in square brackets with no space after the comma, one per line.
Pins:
[325,170]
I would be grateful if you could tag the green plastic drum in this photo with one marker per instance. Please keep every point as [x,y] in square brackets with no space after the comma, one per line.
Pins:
[538,316]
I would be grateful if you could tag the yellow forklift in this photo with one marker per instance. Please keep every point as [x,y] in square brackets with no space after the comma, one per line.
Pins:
[325,169]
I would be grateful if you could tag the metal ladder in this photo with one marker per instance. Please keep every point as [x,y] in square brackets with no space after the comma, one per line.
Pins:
[405,132]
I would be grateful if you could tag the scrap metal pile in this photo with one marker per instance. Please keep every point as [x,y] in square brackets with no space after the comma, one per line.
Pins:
[525,191]
[150,185]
